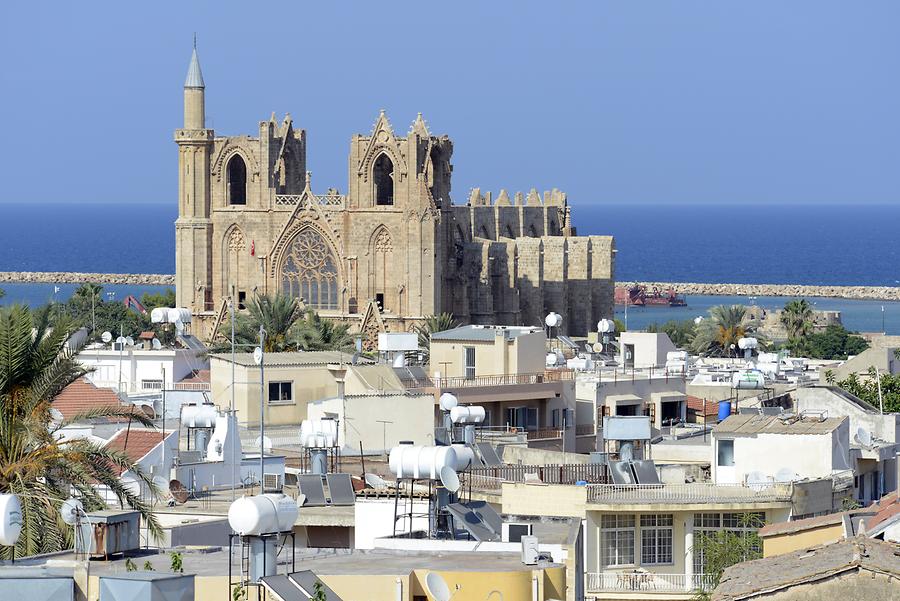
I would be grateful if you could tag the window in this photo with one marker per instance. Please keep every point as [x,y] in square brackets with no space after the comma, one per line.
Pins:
[236,174]
[656,539]
[379,300]
[741,524]
[617,540]
[310,270]
[726,453]
[469,362]
[281,392]
[242,299]
[562,418]
[525,418]
[151,384]
[383,178]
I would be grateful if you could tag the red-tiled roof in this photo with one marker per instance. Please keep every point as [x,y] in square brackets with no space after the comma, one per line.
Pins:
[886,508]
[696,404]
[135,442]
[148,335]
[81,396]
[198,375]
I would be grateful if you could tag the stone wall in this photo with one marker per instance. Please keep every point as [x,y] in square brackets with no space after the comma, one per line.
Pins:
[68,277]
[791,290]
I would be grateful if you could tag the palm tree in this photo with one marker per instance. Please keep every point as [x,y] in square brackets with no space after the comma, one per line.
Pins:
[35,366]
[318,334]
[726,325]
[797,318]
[430,325]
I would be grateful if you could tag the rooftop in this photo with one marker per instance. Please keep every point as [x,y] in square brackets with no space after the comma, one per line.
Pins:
[292,359]
[754,423]
[81,396]
[484,333]
[764,576]
[135,442]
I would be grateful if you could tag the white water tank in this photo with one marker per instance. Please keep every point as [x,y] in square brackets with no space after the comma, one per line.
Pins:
[180,314]
[448,401]
[748,379]
[465,457]
[263,514]
[159,315]
[555,358]
[468,414]
[747,343]
[10,519]
[198,416]
[580,364]
[676,356]
[553,320]
[318,433]
[408,461]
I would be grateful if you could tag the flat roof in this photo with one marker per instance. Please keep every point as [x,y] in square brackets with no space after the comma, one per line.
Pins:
[484,333]
[292,359]
[754,423]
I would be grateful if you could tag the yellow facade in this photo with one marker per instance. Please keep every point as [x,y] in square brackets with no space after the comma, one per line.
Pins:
[778,544]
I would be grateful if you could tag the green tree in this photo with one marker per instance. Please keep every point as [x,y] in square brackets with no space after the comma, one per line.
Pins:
[152,300]
[834,342]
[319,334]
[35,366]
[318,592]
[722,549]
[176,562]
[723,328]
[867,389]
[681,333]
[430,325]
[797,318]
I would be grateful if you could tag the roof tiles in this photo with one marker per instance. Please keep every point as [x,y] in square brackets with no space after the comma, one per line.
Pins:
[81,396]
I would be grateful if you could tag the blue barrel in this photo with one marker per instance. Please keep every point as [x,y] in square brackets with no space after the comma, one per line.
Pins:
[724,409]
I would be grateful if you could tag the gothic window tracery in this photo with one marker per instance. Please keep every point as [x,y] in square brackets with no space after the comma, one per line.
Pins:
[310,271]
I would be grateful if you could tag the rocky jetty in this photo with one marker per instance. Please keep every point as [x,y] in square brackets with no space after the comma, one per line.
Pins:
[68,277]
[791,290]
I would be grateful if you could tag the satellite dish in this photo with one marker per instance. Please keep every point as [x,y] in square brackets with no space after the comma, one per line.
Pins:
[375,481]
[178,492]
[71,511]
[598,347]
[257,355]
[120,340]
[10,519]
[156,344]
[863,437]
[606,326]
[785,474]
[448,401]
[129,341]
[553,320]
[106,337]
[449,478]
[267,441]
[437,587]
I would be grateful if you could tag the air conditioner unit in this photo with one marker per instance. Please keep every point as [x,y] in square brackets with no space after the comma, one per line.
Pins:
[514,531]
[273,482]
[530,550]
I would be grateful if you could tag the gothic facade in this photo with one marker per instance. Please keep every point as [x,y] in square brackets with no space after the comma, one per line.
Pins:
[390,251]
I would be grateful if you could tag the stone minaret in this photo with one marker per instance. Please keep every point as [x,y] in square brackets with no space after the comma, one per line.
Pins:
[193,229]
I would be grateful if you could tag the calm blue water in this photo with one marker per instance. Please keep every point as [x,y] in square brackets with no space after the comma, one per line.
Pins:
[828,244]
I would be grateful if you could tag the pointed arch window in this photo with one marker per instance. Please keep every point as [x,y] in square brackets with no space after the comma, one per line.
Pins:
[236,173]
[383,179]
[310,271]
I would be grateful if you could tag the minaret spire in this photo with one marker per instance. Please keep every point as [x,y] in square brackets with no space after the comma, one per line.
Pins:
[194,94]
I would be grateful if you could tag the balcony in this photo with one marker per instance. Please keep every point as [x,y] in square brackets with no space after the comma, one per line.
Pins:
[490,380]
[694,493]
[645,582]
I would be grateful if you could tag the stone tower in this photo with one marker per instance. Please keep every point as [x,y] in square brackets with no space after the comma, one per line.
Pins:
[193,228]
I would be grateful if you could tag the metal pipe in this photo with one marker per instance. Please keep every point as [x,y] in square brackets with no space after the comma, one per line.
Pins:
[232,415]
[262,400]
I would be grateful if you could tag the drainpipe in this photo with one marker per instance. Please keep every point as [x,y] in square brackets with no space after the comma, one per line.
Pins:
[534,589]
[399,589]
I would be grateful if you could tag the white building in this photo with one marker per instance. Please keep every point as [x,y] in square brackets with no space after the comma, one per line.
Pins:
[135,370]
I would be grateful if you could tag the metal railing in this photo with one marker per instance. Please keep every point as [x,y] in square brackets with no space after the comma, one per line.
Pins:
[192,386]
[697,492]
[324,200]
[544,434]
[640,580]
[564,473]
[491,380]
[631,374]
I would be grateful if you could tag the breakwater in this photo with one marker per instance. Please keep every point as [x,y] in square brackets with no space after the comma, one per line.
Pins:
[69,277]
[888,293]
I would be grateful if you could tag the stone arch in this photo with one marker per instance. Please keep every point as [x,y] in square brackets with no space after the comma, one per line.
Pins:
[236,180]
[381,251]
[532,231]
[483,232]
[309,269]
[383,180]
[509,231]
[235,263]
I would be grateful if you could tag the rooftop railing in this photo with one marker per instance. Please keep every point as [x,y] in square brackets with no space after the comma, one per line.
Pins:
[565,473]
[491,380]
[643,581]
[697,492]
[324,200]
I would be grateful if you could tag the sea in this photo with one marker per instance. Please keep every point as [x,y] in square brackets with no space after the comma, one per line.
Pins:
[732,243]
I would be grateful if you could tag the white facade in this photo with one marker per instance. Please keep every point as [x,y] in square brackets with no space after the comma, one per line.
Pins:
[138,370]
[644,349]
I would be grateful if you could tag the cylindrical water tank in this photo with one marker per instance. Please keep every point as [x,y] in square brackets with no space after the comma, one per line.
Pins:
[179,314]
[747,343]
[468,414]
[201,440]
[724,409]
[676,356]
[318,433]
[318,459]
[420,461]
[448,401]
[465,457]
[748,379]
[606,326]
[159,315]
[10,519]
[262,514]
[263,559]
[555,358]
[469,434]
[198,416]
[553,320]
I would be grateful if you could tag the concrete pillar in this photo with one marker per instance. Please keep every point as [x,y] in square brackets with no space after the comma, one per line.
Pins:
[689,552]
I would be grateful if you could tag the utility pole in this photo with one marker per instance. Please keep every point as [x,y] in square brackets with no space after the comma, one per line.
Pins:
[232,417]
[262,407]
[166,471]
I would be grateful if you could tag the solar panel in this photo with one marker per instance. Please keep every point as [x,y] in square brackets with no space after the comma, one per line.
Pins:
[472,523]
[340,489]
[306,581]
[311,486]
[283,589]
[488,453]
[645,472]
[621,472]
[486,513]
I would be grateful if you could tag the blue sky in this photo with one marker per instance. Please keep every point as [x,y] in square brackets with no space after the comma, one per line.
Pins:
[613,102]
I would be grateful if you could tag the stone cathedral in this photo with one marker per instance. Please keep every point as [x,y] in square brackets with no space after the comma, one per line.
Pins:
[386,253]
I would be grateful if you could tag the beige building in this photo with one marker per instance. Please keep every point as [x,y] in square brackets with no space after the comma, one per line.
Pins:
[390,251]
